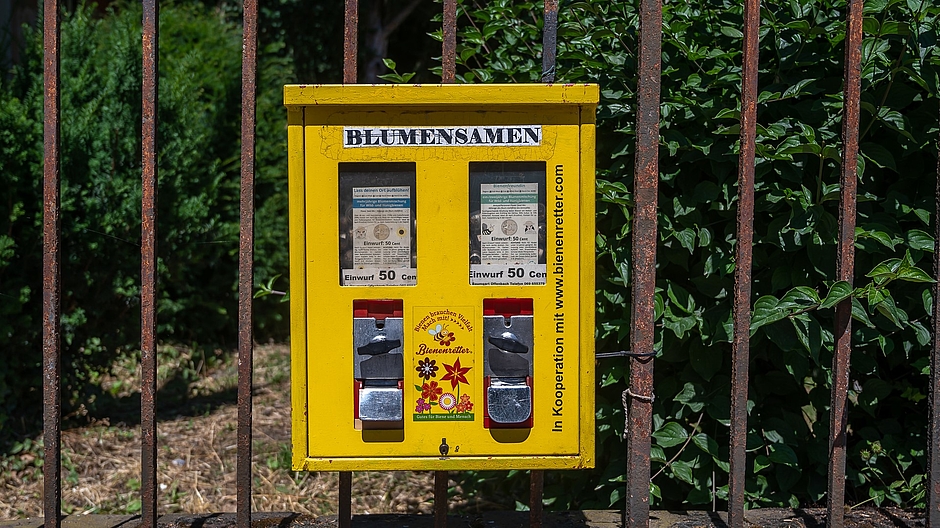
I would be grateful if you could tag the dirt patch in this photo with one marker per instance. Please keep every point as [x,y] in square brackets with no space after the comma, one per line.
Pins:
[197,456]
[196,452]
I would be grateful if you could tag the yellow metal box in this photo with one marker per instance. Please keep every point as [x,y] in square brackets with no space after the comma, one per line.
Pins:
[442,276]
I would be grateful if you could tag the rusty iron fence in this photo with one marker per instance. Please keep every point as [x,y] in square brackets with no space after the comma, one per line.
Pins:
[638,396]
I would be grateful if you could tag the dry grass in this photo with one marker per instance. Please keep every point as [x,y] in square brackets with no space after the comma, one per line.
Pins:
[196,452]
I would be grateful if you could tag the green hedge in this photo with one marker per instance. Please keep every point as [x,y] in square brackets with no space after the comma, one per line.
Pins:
[797,174]
[197,228]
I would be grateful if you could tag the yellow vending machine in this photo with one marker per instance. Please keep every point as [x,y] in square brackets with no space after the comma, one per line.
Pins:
[442,276]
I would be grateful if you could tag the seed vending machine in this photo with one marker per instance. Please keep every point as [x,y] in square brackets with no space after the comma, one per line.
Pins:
[442,276]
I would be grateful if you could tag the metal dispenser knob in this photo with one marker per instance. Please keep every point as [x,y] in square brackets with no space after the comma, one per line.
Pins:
[508,369]
[379,368]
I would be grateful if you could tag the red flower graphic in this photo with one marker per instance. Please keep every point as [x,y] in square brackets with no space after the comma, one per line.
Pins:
[447,338]
[465,404]
[430,391]
[456,374]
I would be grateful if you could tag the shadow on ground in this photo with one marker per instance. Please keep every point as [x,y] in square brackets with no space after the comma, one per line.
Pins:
[765,518]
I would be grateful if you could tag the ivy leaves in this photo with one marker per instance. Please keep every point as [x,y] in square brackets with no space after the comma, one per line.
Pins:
[795,288]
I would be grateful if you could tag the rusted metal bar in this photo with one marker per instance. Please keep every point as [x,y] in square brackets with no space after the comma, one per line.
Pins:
[351,42]
[536,485]
[440,499]
[246,263]
[449,55]
[549,41]
[148,268]
[645,188]
[845,263]
[933,432]
[344,520]
[740,347]
[51,272]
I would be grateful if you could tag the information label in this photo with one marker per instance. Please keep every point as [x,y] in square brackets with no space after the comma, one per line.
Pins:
[509,235]
[381,218]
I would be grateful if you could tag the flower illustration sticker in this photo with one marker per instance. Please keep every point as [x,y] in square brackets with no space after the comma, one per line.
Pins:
[444,386]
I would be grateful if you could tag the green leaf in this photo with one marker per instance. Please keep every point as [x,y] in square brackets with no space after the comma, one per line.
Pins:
[878,155]
[840,291]
[914,274]
[801,296]
[657,454]
[682,470]
[680,298]
[783,454]
[766,312]
[389,63]
[920,240]
[706,361]
[670,434]
[679,325]
[885,271]
[761,462]
[706,444]
[686,238]
[889,309]
[921,333]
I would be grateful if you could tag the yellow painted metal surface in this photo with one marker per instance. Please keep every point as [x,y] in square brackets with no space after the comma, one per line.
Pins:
[442,302]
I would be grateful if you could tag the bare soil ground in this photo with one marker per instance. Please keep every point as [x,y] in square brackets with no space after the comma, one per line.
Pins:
[197,456]
[196,452]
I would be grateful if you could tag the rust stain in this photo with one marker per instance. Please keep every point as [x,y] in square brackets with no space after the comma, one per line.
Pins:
[449,56]
[536,486]
[51,272]
[933,432]
[440,499]
[646,186]
[549,41]
[740,348]
[351,42]
[246,263]
[148,267]
[845,264]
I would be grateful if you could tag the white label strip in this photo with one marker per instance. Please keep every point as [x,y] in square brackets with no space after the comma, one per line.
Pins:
[519,135]
[518,275]
[380,277]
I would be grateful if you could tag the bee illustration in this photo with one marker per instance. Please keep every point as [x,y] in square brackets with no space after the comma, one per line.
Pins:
[442,335]
[486,230]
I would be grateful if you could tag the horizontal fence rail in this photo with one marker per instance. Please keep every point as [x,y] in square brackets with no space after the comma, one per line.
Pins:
[639,395]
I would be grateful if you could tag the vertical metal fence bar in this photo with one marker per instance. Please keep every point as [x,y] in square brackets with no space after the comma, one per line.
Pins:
[933,431]
[51,272]
[344,518]
[549,41]
[351,42]
[440,499]
[148,268]
[536,485]
[449,48]
[740,347]
[350,76]
[845,263]
[549,47]
[645,189]
[246,263]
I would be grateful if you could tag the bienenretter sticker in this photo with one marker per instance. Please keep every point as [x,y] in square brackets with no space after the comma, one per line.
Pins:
[443,362]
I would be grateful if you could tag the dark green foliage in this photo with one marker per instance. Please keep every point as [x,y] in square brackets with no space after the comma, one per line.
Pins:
[198,145]
[796,225]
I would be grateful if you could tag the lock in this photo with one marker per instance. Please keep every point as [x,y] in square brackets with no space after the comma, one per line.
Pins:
[508,350]
[378,361]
